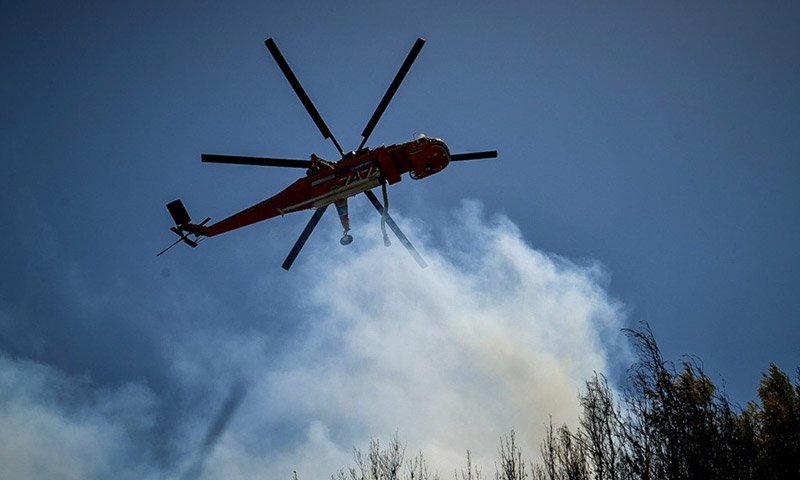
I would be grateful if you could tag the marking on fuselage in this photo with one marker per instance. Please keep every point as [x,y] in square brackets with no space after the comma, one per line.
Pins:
[363,174]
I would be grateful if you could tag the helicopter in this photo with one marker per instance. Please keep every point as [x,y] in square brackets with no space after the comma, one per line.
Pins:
[331,182]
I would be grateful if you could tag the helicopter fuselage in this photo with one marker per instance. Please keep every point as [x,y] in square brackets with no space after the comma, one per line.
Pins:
[329,182]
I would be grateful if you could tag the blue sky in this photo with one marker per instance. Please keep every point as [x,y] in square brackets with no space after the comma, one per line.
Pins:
[649,151]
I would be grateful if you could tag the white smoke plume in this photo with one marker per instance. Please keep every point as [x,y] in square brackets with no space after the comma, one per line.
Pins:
[493,335]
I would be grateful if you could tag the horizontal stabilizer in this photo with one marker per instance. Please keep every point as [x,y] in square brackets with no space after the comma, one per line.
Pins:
[184,237]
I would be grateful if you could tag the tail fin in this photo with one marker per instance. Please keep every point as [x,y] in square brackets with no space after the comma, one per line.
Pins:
[178,212]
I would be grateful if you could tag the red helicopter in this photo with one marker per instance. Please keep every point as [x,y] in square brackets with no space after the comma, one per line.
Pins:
[327,182]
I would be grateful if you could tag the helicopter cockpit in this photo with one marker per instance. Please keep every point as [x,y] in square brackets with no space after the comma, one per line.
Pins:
[430,155]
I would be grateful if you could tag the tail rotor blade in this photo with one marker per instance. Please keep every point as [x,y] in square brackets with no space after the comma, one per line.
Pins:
[473,155]
[387,97]
[399,233]
[162,252]
[287,264]
[301,93]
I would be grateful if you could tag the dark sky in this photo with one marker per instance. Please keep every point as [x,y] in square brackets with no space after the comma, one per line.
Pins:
[653,144]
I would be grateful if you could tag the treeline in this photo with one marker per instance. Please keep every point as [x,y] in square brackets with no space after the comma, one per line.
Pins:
[673,423]
[669,422]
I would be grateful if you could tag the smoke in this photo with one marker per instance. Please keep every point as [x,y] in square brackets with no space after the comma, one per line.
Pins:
[54,426]
[493,335]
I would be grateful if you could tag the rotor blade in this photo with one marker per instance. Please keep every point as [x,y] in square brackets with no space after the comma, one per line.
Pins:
[287,264]
[298,89]
[387,97]
[389,221]
[260,161]
[225,414]
[473,155]
[215,431]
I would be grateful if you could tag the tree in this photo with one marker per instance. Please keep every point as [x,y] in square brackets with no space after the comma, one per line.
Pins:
[600,423]
[511,465]
[471,472]
[738,452]
[779,420]
[386,464]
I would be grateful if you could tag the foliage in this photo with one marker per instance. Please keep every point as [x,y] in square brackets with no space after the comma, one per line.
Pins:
[673,423]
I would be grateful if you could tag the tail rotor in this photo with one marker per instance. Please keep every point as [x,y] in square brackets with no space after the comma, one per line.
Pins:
[181,218]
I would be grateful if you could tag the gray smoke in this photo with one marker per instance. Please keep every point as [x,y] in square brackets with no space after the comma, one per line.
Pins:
[493,335]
